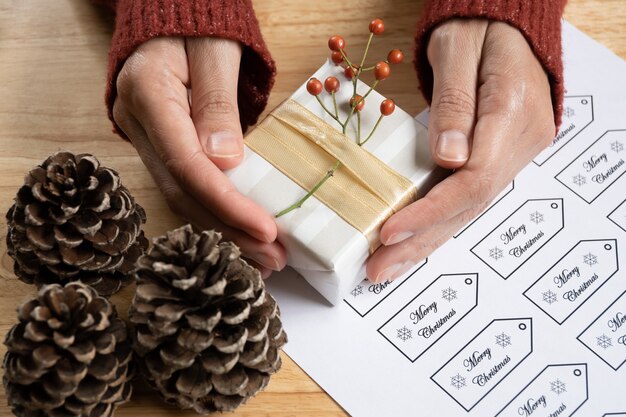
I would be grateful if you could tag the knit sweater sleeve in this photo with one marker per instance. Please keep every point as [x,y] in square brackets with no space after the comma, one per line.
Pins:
[137,21]
[538,20]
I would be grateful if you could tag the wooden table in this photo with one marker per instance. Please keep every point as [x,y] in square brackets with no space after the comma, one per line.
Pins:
[52,75]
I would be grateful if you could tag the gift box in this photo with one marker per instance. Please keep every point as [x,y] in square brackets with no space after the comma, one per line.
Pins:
[330,237]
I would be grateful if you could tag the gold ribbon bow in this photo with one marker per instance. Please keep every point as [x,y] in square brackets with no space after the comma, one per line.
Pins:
[363,191]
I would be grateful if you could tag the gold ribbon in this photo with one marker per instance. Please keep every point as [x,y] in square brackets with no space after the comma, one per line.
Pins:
[363,191]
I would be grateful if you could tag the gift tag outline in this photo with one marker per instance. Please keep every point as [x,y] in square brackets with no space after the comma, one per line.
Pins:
[492,205]
[556,177]
[538,248]
[619,206]
[618,414]
[468,274]
[582,365]
[532,348]
[590,294]
[424,262]
[578,133]
[592,323]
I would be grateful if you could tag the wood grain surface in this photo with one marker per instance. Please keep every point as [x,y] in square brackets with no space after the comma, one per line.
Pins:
[52,74]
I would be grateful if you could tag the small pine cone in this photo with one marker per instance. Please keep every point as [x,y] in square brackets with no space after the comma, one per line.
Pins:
[69,355]
[73,220]
[207,333]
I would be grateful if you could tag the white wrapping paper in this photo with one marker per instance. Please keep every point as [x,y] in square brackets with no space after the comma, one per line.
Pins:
[328,252]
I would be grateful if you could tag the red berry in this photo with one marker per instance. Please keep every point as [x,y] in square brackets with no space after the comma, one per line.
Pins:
[331,84]
[336,43]
[382,70]
[314,86]
[350,72]
[395,56]
[357,102]
[377,26]
[336,57]
[387,107]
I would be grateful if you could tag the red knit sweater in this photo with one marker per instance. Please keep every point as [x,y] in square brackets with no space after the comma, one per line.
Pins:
[140,20]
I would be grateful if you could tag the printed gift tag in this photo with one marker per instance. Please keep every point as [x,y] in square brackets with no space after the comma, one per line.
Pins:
[520,235]
[606,336]
[577,115]
[574,278]
[486,360]
[366,296]
[558,390]
[431,314]
[599,166]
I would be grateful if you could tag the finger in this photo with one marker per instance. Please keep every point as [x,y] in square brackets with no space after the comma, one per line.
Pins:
[390,262]
[461,191]
[269,255]
[454,52]
[162,111]
[214,72]
[265,272]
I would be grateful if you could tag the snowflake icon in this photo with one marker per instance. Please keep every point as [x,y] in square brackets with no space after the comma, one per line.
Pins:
[558,387]
[580,180]
[457,381]
[590,259]
[404,334]
[617,147]
[569,112]
[449,294]
[503,340]
[495,253]
[604,341]
[536,217]
[358,290]
[549,297]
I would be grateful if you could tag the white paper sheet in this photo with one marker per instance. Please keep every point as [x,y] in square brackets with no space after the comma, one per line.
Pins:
[529,319]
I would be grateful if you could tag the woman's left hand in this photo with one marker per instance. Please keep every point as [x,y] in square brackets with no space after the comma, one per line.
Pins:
[491,114]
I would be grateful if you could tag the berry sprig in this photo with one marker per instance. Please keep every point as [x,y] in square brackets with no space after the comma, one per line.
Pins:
[382,71]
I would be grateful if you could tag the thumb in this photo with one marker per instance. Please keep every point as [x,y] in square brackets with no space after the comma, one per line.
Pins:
[214,71]
[454,52]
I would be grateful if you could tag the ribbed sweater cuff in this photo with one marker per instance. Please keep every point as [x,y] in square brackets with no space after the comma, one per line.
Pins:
[138,21]
[538,20]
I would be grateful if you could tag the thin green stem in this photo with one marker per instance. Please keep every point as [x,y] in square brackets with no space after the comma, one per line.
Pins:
[371,89]
[319,100]
[335,104]
[321,182]
[367,47]
[372,67]
[345,58]
[358,127]
[372,132]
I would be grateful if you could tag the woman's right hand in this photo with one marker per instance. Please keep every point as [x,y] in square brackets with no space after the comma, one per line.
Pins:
[185,140]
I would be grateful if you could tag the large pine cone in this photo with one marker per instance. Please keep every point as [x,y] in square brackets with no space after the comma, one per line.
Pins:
[207,334]
[73,221]
[69,355]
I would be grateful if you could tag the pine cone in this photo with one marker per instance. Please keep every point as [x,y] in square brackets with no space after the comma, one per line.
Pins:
[69,355]
[207,333]
[73,221]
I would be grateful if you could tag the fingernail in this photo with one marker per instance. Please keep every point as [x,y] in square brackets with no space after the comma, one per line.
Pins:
[398,237]
[392,272]
[267,261]
[223,145]
[452,146]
